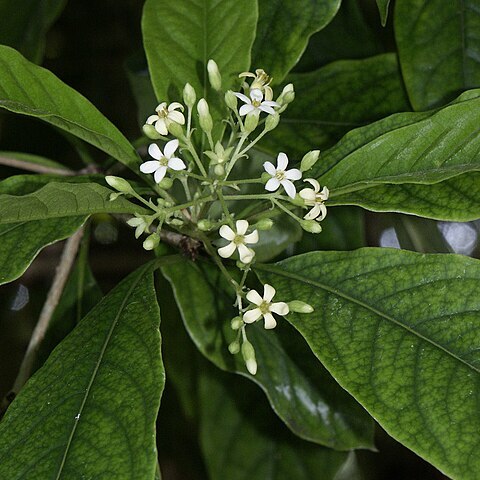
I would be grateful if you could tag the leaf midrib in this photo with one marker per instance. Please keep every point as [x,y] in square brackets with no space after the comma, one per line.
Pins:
[360,303]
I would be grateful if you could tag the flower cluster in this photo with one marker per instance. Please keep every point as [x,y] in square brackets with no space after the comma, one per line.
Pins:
[198,186]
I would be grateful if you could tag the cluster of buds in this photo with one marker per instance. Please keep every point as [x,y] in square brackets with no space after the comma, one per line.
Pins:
[196,185]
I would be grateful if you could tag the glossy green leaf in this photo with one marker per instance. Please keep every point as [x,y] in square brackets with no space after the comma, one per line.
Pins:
[35,160]
[90,411]
[60,200]
[337,98]
[420,148]
[31,90]
[284,27]
[439,48]
[259,446]
[24,24]
[400,331]
[180,37]
[383,10]
[307,399]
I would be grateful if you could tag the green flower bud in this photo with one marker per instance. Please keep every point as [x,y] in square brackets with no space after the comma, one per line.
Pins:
[175,129]
[264,224]
[206,122]
[234,347]
[236,323]
[251,121]
[271,122]
[231,100]
[119,184]
[166,183]
[265,177]
[114,196]
[248,353]
[205,225]
[151,241]
[287,96]
[189,95]
[309,160]
[150,132]
[214,75]
[219,170]
[300,307]
[311,226]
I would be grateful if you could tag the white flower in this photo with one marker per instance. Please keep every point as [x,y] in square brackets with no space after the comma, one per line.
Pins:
[255,103]
[138,222]
[280,176]
[315,198]
[238,241]
[265,307]
[162,160]
[260,80]
[166,115]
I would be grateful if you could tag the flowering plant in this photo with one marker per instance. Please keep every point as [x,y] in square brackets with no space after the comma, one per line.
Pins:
[242,207]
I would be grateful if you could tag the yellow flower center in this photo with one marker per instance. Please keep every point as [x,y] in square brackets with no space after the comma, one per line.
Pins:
[239,239]
[256,103]
[264,307]
[163,161]
[280,175]
[162,113]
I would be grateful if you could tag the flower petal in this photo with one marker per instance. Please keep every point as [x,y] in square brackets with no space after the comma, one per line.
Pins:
[293,174]
[324,194]
[176,117]
[313,213]
[246,254]
[252,237]
[174,106]
[282,161]
[268,292]
[152,119]
[242,226]
[161,106]
[226,232]
[269,168]
[161,126]
[309,195]
[160,173]
[266,109]
[314,184]
[246,109]
[154,151]
[270,322]
[270,103]
[243,97]
[150,166]
[254,297]
[176,164]
[289,188]
[227,250]
[256,94]
[272,184]
[170,148]
[323,212]
[252,315]
[281,308]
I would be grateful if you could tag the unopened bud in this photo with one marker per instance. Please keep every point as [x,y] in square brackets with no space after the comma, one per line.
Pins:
[219,170]
[151,241]
[175,129]
[206,122]
[214,75]
[251,121]
[234,347]
[300,307]
[271,122]
[119,184]
[166,183]
[150,132]
[264,224]
[204,225]
[309,160]
[236,323]
[189,95]
[311,226]
[287,96]
[248,353]
[231,100]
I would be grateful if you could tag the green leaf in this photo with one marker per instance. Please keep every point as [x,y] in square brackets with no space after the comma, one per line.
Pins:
[61,200]
[383,10]
[90,411]
[180,37]
[337,98]
[419,148]
[439,48]
[24,24]
[284,27]
[307,399]
[400,331]
[35,160]
[31,90]
[259,446]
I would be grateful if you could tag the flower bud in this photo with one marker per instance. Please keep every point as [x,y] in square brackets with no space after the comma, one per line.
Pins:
[271,122]
[166,183]
[236,323]
[219,170]
[151,241]
[119,184]
[234,347]
[150,132]
[248,353]
[114,196]
[204,225]
[175,129]
[309,160]
[265,177]
[300,307]
[311,226]
[214,75]
[206,122]
[287,96]
[231,100]
[189,95]
[251,121]
[264,224]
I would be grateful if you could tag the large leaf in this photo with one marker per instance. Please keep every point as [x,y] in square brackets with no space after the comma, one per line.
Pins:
[401,332]
[24,24]
[337,98]
[60,200]
[31,90]
[252,433]
[181,36]
[284,27]
[418,148]
[439,48]
[306,399]
[383,10]
[90,411]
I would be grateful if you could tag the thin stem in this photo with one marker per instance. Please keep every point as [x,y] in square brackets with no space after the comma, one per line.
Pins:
[286,210]
[245,180]
[228,217]
[235,155]
[196,158]
[251,144]
[253,196]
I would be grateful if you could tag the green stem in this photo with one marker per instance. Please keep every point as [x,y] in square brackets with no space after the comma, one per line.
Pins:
[286,210]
